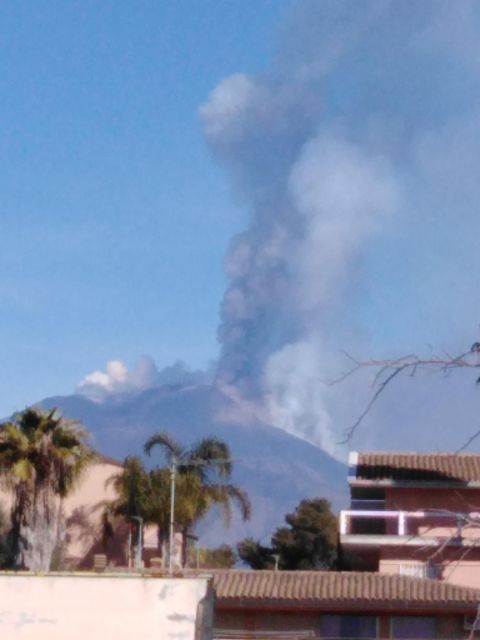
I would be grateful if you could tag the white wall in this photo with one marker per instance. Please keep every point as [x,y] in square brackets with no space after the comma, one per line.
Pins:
[76,607]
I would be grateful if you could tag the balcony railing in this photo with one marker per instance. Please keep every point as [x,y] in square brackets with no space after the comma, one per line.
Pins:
[452,523]
[420,570]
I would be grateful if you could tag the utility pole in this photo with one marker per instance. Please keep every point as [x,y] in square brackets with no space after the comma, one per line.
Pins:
[174,464]
[139,547]
[173,470]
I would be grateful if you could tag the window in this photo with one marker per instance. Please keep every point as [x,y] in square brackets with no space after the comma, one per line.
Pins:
[412,628]
[358,627]
[371,498]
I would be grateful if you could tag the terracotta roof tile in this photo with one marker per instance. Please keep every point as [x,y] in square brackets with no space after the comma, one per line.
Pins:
[420,467]
[319,588]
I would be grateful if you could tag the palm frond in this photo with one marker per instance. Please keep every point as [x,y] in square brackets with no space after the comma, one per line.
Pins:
[216,455]
[241,499]
[164,440]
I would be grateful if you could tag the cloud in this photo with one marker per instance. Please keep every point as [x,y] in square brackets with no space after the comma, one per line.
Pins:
[119,379]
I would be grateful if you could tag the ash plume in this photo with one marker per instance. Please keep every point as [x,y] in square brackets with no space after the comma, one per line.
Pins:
[323,150]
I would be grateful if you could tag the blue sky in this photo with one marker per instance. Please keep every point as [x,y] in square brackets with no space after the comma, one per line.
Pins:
[114,218]
[138,138]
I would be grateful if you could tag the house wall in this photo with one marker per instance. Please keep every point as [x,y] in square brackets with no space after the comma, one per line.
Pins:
[464,572]
[248,620]
[60,607]
[458,564]
[83,517]
[411,499]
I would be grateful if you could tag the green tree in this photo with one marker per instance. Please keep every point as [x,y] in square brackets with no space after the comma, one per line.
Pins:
[256,555]
[222,557]
[203,474]
[309,541]
[42,455]
[134,501]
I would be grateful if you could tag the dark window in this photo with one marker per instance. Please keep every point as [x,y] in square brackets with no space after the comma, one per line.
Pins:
[358,627]
[367,493]
[412,628]
[367,498]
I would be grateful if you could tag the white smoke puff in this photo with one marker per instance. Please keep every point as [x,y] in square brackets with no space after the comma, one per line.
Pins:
[116,374]
[226,107]
[117,378]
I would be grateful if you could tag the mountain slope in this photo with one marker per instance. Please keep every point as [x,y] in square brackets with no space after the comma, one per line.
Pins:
[277,469]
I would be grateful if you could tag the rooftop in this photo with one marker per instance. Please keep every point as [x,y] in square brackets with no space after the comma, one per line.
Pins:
[332,589]
[432,468]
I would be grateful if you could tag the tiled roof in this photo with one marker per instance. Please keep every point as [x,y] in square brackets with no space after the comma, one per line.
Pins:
[341,589]
[420,467]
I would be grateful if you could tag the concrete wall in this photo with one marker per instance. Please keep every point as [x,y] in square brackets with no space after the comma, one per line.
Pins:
[89,607]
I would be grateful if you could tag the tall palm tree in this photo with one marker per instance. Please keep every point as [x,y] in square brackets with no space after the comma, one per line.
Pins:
[202,481]
[42,455]
[133,502]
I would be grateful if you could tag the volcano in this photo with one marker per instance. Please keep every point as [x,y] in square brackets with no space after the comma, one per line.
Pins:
[277,469]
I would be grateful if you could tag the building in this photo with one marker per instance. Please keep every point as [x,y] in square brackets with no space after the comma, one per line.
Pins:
[409,549]
[82,510]
[414,514]
[83,516]
[320,604]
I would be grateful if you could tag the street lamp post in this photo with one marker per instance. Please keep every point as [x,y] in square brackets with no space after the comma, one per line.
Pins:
[174,464]
[173,470]
[138,548]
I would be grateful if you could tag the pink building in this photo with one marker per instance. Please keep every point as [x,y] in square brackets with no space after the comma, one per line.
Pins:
[415,515]
[83,517]
[409,548]
[295,605]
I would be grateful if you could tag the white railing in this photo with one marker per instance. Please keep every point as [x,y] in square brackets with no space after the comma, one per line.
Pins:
[402,518]
[420,570]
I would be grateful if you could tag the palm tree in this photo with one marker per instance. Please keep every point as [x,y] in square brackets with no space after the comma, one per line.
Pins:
[42,455]
[132,504]
[202,481]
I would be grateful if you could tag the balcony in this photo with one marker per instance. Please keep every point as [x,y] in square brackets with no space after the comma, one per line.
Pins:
[393,527]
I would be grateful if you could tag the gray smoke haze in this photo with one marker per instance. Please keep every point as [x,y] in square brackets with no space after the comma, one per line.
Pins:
[357,150]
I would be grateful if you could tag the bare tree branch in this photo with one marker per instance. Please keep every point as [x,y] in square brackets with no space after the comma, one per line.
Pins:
[388,369]
[469,441]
